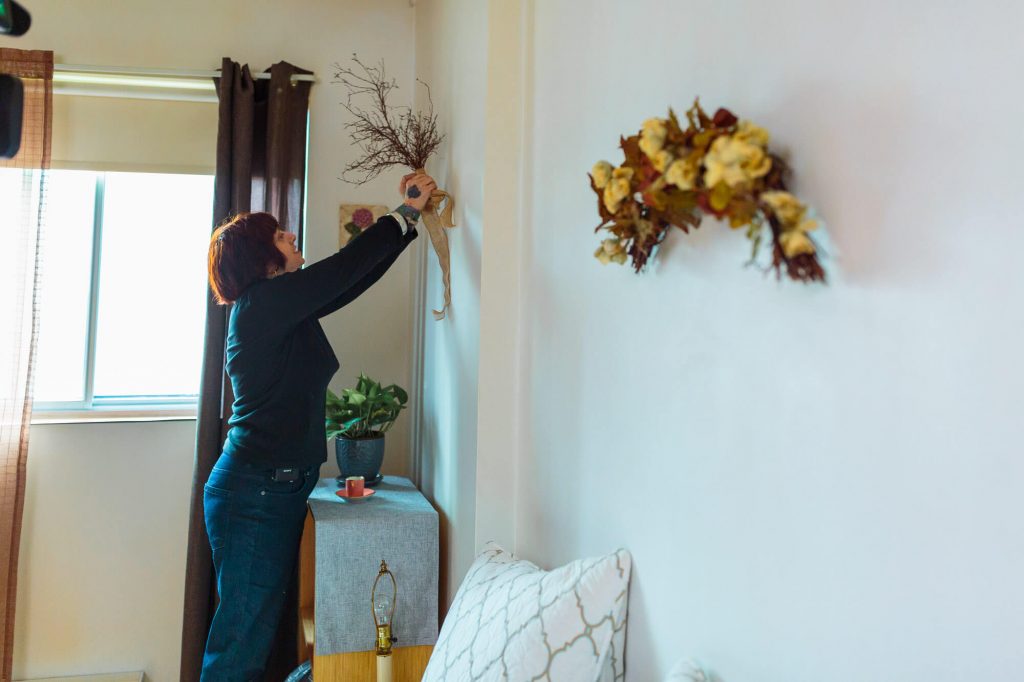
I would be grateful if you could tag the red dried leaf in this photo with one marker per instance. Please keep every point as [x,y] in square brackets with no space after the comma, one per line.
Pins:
[724,119]
[776,178]
[601,210]
[631,150]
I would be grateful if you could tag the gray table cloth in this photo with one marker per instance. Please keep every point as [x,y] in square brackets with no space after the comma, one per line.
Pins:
[396,524]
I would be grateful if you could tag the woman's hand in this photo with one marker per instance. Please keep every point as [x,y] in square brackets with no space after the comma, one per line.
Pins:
[416,188]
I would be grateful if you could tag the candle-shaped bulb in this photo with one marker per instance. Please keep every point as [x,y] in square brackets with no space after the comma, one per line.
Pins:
[382,608]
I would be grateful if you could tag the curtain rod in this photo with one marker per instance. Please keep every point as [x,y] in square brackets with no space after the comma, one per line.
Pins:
[180,73]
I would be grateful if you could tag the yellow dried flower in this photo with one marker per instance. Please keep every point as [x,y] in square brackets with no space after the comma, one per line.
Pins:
[789,210]
[602,173]
[786,207]
[606,256]
[734,162]
[610,202]
[620,188]
[682,174]
[623,172]
[616,190]
[652,136]
[795,242]
[661,160]
[612,246]
[792,214]
[751,134]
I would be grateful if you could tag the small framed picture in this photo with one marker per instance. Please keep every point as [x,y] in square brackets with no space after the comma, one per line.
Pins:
[354,218]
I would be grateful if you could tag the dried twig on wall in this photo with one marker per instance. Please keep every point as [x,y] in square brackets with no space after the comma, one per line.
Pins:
[396,136]
[387,135]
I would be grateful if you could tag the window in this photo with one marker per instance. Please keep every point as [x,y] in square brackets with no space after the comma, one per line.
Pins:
[123,288]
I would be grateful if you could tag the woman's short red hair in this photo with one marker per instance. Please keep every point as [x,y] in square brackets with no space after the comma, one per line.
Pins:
[242,251]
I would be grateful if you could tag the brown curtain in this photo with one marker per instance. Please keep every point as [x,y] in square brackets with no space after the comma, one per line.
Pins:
[19,286]
[261,160]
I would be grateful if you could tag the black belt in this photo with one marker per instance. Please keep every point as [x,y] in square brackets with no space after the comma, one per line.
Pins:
[280,474]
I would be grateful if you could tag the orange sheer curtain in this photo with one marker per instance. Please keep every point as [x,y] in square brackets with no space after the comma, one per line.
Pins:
[21,218]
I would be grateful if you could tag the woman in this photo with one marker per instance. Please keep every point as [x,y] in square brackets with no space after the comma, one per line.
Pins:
[279,362]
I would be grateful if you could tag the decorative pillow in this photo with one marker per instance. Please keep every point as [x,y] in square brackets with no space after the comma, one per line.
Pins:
[513,621]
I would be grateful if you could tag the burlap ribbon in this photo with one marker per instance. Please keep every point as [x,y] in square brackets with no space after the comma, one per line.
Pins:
[437,216]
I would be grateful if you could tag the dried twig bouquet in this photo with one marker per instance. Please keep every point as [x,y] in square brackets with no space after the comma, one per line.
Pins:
[395,136]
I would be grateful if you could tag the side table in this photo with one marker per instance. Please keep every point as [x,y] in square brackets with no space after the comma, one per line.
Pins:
[343,543]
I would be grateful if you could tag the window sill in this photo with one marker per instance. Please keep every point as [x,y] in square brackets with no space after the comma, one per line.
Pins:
[113,415]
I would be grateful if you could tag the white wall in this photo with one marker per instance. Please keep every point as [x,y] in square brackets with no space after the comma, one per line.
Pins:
[451,40]
[371,335]
[816,483]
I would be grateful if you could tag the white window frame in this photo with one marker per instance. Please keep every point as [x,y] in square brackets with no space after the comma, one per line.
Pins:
[91,408]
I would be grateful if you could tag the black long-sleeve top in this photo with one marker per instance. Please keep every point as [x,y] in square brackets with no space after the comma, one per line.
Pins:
[278,357]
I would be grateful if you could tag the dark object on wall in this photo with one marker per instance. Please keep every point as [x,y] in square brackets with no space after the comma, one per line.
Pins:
[304,673]
[14,20]
[12,96]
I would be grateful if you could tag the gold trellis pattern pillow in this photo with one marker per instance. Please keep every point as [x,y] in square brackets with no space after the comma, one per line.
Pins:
[514,621]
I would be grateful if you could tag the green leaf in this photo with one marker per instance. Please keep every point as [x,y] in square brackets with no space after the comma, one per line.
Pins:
[656,199]
[720,196]
[673,123]
[741,212]
[364,409]
[681,200]
[754,234]
[400,393]
[681,209]
[703,139]
[696,116]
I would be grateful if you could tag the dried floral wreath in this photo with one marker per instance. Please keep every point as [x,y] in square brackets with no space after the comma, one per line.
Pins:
[396,136]
[718,166]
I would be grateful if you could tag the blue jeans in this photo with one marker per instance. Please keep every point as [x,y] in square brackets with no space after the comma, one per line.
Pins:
[254,524]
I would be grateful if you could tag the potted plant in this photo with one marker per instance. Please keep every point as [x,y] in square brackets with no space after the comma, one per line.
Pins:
[357,421]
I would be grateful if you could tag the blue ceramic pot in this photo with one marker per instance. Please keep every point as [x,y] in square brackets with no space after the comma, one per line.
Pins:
[361,457]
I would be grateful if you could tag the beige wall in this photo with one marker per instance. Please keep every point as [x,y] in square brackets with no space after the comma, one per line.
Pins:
[102,564]
[133,477]
[134,135]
